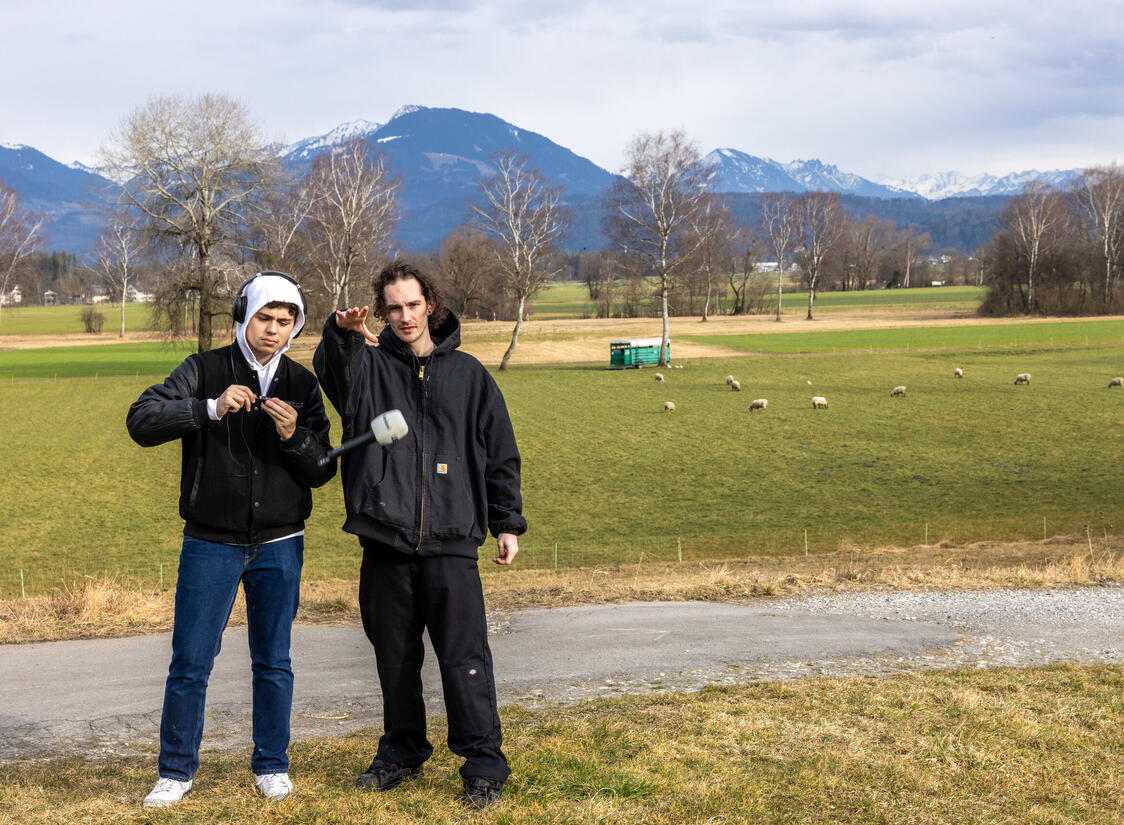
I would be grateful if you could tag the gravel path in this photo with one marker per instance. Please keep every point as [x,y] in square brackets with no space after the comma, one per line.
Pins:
[104,696]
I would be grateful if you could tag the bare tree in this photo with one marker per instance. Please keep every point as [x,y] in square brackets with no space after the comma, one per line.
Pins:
[278,218]
[712,227]
[869,239]
[523,215]
[652,207]
[911,244]
[191,167]
[20,235]
[780,223]
[822,224]
[1099,197]
[352,212]
[467,267]
[117,251]
[1034,220]
[741,271]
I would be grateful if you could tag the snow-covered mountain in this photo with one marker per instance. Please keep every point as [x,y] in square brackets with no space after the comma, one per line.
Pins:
[736,171]
[310,147]
[956,185]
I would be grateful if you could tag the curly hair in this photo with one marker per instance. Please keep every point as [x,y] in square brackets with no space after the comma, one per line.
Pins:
[400,270]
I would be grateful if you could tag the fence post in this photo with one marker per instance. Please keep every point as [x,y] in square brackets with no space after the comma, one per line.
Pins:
[23,593]
[555,555]
[679,548]
[805,541]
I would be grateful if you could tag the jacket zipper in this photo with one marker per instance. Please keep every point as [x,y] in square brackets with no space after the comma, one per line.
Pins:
[421,514]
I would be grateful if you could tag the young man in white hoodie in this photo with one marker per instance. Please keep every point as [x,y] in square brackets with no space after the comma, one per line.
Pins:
[252,429]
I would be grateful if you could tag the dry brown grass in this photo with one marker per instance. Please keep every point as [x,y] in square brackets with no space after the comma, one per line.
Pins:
[93,608]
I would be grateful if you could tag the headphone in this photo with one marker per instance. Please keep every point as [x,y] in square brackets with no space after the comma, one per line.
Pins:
[238,311]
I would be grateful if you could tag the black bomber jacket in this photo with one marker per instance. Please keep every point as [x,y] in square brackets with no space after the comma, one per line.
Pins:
[239,482]
[455,476]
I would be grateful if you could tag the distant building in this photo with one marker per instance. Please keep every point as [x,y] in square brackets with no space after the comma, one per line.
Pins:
[11,298]
[50,298]
[136,296]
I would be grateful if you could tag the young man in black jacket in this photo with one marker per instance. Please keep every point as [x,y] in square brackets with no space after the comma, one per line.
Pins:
[421,508]
[252,428]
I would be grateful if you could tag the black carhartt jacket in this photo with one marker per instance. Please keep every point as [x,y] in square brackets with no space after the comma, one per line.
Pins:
[455,476]
[239,482]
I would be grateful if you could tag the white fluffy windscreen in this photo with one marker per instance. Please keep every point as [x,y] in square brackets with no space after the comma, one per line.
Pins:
[265,289]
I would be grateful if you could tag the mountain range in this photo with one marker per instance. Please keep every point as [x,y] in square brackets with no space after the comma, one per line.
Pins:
[441,155]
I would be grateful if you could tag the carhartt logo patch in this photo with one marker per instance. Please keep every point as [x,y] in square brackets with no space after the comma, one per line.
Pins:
[442,469]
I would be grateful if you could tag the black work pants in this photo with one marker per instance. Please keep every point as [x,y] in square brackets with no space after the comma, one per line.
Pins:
[400,595]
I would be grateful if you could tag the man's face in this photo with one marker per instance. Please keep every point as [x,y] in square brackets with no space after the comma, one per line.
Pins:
[408,314]
[268,330]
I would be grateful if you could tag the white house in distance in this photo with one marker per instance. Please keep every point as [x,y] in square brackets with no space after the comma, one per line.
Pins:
[12,297]
[136,296]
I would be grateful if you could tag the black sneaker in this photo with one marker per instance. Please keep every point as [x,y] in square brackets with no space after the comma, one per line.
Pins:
[382,776]
[479,792]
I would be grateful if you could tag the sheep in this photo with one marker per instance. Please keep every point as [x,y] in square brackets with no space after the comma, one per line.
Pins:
[1116,382]
[729,380]
[898,390]
[669,406]
[818,401]
[736,386]
[1022,378]
[659,376]
[958,373]
[758,404]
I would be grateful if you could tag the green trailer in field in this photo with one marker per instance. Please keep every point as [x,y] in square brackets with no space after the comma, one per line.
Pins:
[635,352]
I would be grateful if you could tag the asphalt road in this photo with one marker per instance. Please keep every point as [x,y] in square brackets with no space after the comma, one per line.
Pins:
[104,696]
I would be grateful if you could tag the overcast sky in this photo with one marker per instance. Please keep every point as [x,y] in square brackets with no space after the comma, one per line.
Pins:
[881,89]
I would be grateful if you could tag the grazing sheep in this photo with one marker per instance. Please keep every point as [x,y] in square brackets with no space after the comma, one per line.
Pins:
[819,401]
[758,404]
[1116,382]
[729,380]
[958,373]
[1022,378]
[898,390]
[669,406]
[735,386]
[659,376]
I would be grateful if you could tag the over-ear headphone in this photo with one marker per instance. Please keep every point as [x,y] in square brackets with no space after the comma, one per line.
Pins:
[238,311]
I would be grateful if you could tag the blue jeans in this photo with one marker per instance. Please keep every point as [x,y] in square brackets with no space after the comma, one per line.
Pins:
[209,574]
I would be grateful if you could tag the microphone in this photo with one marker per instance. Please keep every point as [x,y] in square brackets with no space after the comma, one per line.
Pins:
[386,428]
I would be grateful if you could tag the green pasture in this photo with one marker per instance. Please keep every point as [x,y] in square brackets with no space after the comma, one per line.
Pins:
[570,299]
[57,320]
[56,363]
[609,477]
[960,338]
[563,299]
[961,298]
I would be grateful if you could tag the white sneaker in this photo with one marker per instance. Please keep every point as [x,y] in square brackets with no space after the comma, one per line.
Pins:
[167,792]
[274,786]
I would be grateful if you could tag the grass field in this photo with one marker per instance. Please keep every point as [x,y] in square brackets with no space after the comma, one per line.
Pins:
[53,363]
[608,477]
[570,299]
[1031,746]
[962,338]
[58,320]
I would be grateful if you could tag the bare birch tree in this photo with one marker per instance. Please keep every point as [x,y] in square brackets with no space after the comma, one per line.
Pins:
[1099,197]
[117,252]
[353,206]
[279,217]
[1034,220]
[822,223]
[911,244]
[650,210]
[191,167]
[522,212]
[738,275]
[780,223]
[20,235]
